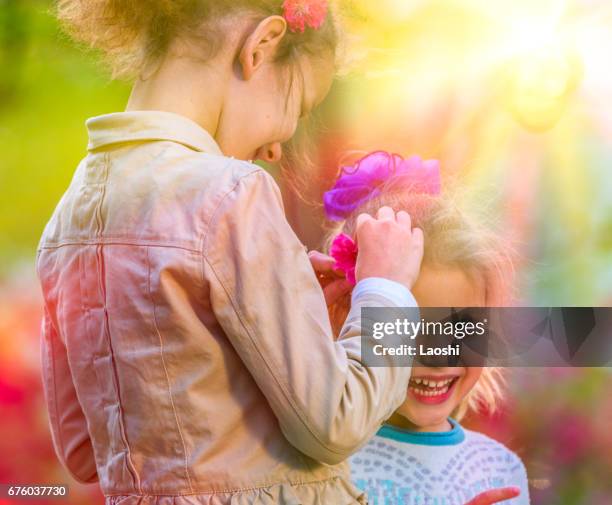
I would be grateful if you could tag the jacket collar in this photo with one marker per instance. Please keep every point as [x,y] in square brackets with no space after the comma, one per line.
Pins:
[138,126]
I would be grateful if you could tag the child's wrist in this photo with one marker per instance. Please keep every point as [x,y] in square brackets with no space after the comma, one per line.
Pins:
[398,294]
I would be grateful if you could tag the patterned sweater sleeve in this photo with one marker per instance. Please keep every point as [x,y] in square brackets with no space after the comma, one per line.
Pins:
[519,479]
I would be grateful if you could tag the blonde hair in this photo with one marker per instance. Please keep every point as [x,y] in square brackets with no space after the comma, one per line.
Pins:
[134,35]
[455,236]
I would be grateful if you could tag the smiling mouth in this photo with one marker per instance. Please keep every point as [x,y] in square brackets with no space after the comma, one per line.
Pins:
[432,390]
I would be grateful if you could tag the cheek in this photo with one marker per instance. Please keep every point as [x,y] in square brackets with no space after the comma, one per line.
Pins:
[469,380]
[290,131]
[286,120]
[274,126]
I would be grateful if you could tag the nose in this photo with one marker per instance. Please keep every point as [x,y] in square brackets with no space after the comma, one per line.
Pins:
[270,153]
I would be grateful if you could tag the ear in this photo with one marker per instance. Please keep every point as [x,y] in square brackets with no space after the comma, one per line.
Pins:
[261,45]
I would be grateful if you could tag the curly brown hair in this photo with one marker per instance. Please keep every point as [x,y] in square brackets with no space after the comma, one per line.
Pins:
[133,35]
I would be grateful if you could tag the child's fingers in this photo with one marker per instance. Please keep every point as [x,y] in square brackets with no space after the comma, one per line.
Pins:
[404,219]
[418,239]
[385,213]
[323,264]
[361,219]
[495,496]
[336,290]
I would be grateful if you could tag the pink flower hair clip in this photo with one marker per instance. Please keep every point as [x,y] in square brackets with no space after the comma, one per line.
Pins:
[305,13]
[344,251]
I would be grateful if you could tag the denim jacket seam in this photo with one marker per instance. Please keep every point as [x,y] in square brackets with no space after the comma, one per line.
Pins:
[161,352]
[131,468]
[116,241]
[60,441]
[202,243]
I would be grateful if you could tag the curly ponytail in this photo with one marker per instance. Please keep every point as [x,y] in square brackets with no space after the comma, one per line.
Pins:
[133,34]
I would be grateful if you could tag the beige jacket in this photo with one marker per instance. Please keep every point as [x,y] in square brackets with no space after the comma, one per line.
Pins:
[187,352]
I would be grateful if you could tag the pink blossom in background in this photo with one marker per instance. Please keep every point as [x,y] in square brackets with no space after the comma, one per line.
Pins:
[573,433]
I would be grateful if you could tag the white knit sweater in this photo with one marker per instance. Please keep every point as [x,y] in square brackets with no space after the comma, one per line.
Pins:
[399,467]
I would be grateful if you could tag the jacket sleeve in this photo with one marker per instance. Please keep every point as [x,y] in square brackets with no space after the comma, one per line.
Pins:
[266,297]
[68,424]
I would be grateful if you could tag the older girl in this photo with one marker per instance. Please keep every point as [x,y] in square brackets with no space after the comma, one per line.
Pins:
[187,351]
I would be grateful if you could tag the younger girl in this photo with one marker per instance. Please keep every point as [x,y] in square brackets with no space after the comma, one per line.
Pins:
[422,455]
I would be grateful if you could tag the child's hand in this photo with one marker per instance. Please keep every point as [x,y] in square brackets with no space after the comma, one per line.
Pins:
[332,281]
[495,496]
[388,247]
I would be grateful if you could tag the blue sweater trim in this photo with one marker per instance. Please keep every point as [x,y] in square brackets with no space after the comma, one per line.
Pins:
[453,437]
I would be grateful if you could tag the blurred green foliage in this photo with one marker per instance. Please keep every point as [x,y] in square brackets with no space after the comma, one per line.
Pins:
[48,88]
